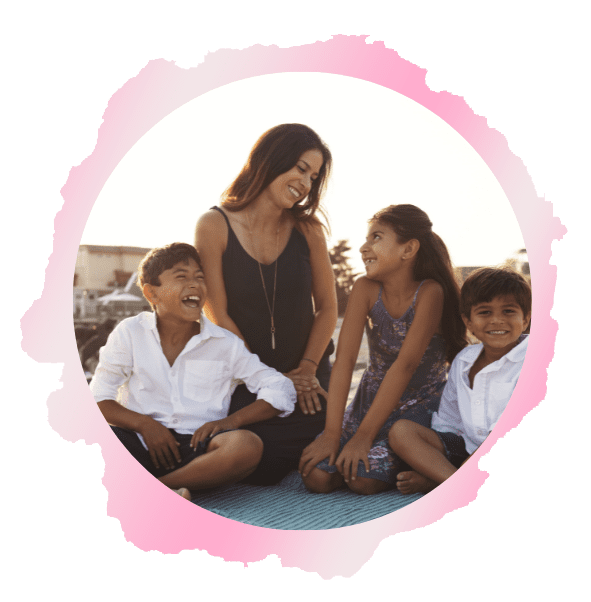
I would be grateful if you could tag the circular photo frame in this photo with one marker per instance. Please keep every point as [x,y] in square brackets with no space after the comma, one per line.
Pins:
[154,518]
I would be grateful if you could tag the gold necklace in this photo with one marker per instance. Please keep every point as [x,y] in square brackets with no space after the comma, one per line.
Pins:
[271,308]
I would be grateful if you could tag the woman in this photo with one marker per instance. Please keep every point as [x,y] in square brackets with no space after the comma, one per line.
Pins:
[270,281]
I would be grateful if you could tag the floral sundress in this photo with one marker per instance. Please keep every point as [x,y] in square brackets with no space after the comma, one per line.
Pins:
[419,400]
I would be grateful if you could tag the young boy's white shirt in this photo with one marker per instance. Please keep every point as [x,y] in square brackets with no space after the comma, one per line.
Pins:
[474,412]
[197,388]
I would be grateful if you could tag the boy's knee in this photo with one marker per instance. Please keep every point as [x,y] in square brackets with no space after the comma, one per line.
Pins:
[250,446]
[243,447]
[399,432]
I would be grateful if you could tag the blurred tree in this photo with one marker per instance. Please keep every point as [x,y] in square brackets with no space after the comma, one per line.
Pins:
[343,273]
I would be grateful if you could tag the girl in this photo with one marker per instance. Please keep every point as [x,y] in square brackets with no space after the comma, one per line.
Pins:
[270,281]
[411,298]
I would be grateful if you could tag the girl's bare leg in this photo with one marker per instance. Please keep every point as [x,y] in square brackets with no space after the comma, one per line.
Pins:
[319,481]
[365,486]
[421,448]
[230,457]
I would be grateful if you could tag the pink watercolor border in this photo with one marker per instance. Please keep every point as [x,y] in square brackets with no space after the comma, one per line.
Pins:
[155,92]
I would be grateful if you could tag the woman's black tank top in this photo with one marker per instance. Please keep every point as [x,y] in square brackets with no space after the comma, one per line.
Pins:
[247,306]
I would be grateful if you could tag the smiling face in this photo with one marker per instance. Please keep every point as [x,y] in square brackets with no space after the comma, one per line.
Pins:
[498,323]
[294,185]
[181,293]
[382,253]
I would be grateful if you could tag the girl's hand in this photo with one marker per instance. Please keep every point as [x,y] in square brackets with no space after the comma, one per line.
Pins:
[209,429]
[323,447]
[308,388]
[355,451]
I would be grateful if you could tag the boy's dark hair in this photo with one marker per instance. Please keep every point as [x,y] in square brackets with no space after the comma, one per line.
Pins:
[484,284]
[161,259]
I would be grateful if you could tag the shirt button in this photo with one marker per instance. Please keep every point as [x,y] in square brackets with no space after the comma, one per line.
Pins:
[481,432]
[477,402]
[175,421]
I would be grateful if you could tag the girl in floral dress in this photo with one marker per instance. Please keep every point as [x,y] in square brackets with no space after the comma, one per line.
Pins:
[411,299]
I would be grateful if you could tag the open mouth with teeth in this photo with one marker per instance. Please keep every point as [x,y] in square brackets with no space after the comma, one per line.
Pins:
[497,332]
[191,301]
[294,192]
[368,261]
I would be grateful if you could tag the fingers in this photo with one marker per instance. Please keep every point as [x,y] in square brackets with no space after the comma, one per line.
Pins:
[154,458]
[200,435]
[175,451]
[340,464]
[305,466]
[321,391]
[163,458]
[348,464]
[307,403]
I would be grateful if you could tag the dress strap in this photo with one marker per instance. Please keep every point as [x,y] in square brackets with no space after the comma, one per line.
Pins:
[416,293]
[225,216]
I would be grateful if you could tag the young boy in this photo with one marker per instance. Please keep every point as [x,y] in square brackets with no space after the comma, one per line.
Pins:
[496,307]
[179,371]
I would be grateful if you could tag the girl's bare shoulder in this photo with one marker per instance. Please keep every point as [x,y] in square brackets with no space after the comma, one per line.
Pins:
[366,288]
[432,290]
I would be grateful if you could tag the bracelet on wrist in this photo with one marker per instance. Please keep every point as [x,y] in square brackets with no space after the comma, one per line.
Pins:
[307,359]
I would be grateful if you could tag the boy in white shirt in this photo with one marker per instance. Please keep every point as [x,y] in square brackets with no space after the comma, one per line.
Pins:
[496,307]
[178,371]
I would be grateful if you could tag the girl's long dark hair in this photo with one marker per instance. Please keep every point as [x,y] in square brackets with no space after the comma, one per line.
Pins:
[274,153]
[432,262]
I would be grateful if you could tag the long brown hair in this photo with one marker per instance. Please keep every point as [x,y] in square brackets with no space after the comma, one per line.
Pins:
[274,153]
[432,262]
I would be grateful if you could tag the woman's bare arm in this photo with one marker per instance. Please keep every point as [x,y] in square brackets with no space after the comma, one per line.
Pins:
[211,238]
[325,316]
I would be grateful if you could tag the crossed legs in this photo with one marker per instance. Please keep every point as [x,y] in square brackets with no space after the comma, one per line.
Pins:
[423,450]
[229,458]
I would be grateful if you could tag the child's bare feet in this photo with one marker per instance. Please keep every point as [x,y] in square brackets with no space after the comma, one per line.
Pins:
[183,492]
[413,482]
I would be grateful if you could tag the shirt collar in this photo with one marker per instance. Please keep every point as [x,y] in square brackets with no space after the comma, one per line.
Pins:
[516,354]
[208,328]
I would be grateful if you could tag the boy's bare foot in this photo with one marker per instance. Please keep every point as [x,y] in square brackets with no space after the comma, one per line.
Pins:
[183,492]
[413,482]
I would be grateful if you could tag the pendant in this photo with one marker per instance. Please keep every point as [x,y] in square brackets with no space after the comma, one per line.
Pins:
[272,334]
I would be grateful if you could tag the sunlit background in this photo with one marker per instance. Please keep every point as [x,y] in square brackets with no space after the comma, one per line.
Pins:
[386,149]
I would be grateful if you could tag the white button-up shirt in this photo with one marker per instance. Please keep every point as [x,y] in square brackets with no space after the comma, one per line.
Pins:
[473,412]
[197,388]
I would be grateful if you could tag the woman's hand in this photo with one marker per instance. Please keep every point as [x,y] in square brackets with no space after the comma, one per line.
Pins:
[307,388]
[324,446]
[209,429]
[355,451]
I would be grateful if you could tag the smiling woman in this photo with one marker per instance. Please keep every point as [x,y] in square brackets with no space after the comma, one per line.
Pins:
[270,281]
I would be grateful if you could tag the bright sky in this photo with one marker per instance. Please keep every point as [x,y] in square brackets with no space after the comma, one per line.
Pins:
[386,149]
